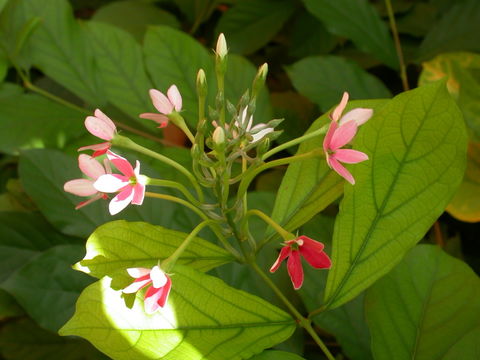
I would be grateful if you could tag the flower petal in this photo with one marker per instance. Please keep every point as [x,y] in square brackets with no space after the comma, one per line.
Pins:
[121,201]
[121,164]
[359,115]
[80,187]
[89,201]
[337,112]
[161,102]
[138,284]
[110,183]
[261,134]
[328,137]
[343,135]
[295,270]
[313,252]
[156,298]
[282,256]
[138,272]
[161,119]
[340,169]
[350,156]
[90,166]
[158,277]
[175,97]
[96,147]
[100,128]
[107,121]
[138,194]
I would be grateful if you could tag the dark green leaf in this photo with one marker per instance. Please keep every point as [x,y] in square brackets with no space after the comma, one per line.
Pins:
[276,355]
[8,306]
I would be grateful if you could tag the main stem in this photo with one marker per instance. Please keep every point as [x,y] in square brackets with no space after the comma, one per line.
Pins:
[304,322]
[398,46]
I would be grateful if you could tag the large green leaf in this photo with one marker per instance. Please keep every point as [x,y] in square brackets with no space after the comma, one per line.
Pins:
[426,308]
[323,79]
[8,306]
[203,319]
[60,48]
[24,340]
[416,144]
[120,61]
[134,16]
[120,245]
[359,21]
[31,121]
[250,24]
[276,355]
[309,186]
[47,287]
[173,57]
[23,237]
[453,32]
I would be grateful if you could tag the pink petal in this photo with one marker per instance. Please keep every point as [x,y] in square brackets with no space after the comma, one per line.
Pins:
[295,270]
[121,164]
[102,146]
[313,252]
[359,115]
[138,272]
[110,183]
[121,201]
[156,298]
[343,135]
[89,201]
[138,194]
[80,187]
[100,127]
[161,102]
[337,112]
[328,137]
[340,169]
[138,284]
[350,156]
[99,114]
[159,279]
[90,166]
[282,256]
[161,119]
[175,97]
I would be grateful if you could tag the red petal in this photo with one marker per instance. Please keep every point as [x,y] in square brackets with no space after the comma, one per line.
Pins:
[282,256]
[313,252]
[295,270]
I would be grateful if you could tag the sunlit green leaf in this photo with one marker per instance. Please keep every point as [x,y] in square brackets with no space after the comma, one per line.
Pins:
[359,21]
[120,245]
[203,318]
[323,79]
[426,308]
[416,144]
[47,287]
[250,24]
[276,355]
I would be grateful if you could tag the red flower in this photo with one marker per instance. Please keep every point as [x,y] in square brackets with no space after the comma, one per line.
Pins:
[310,249]
[157,294]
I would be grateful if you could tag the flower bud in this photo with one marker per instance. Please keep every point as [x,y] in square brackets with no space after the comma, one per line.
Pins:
[259,80]
[221,49]
[201,83]
[218,136]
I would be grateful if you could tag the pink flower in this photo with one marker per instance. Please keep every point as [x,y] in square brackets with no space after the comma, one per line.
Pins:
[101,126]
[157,294]
[130,185]
[310,249]
[84,187]
[164,104]
[340,133]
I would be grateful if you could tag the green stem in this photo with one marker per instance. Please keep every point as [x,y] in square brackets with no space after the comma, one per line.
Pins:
[304,322]
[179,121]
[253,172]
[281,231]
[127,143]
[316,312]
[321,131]
[174,185]
[168,264]
[398,46]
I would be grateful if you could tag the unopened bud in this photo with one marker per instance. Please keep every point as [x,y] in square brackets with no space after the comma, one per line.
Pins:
[263,147]
[259,80]
[201,83]
[218,136]
[221,49]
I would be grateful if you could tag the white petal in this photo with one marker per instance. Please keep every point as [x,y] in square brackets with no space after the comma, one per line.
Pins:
[359,115]
[158,277]
[117,205]
[110,183]
[138,272]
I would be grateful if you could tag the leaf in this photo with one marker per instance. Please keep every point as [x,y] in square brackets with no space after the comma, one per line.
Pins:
[416,144]
[173,57]
[31,121]
[47,287]
[23,237]
[251,24]
[119,245]
[359,21]
[276,355]
[310,186]
[61,50]
[465,205]
[203,318]
[24,340]
[432,298]
[463,82]
[120,61]
[134,16]
[453,31]
[8,306]
[323,79]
